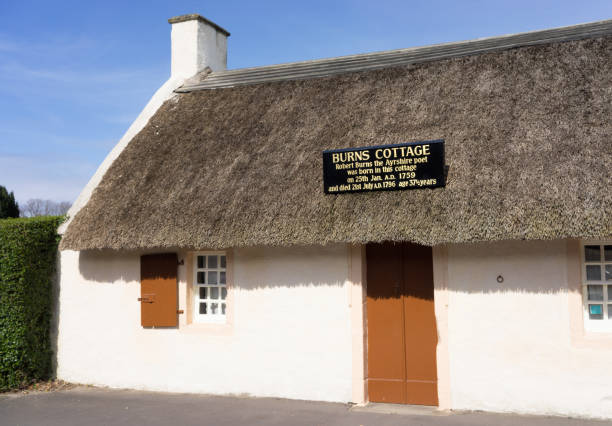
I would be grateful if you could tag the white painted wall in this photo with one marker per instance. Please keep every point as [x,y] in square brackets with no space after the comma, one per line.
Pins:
[510,347]
[294,334]
[290,337]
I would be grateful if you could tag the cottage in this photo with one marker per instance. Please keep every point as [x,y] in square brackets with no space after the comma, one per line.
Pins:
[208,253]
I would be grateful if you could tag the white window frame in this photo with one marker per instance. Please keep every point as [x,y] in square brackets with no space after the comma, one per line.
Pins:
[603,325]
[209,318]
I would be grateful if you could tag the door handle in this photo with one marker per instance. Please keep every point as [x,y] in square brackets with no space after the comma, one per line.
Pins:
[147,298]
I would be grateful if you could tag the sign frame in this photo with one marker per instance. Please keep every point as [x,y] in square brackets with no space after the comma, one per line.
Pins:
[422,173]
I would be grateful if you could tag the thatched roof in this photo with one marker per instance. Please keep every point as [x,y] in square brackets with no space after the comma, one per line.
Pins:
[528,143]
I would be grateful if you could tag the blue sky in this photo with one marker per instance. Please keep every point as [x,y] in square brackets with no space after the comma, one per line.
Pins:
[75,74]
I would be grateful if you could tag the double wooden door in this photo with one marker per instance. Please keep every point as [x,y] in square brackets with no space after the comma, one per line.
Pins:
[401,324]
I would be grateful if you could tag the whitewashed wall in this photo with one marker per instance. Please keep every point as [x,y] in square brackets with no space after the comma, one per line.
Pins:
[510,346]
[290,337]
[506,346]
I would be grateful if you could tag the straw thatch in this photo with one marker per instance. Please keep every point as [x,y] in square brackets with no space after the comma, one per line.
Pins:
[528,145]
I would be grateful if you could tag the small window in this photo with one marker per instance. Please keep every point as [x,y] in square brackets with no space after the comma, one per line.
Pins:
[210,287]
[597,286]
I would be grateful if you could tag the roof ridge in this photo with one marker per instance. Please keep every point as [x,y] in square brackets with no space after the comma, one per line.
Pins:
[317,68]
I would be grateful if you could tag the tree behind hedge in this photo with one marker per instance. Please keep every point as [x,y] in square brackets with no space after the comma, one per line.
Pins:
[8,205]
[28,250]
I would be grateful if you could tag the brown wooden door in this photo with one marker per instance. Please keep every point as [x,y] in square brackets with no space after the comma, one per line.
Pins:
[402,334]
[158,290]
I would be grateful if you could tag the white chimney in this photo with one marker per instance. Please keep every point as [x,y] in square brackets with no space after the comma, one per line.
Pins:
[197,43]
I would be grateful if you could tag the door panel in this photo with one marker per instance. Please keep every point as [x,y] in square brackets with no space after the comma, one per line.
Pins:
[158,290]
[401,324]
[385,325]
[421,334]
[422,393]
[387,391]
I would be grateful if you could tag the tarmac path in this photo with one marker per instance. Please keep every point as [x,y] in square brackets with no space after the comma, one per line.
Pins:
[106,407]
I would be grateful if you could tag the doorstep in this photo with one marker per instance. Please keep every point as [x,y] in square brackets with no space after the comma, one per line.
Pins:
[403,409]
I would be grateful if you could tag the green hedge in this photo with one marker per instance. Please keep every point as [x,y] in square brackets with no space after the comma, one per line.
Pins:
[28,250]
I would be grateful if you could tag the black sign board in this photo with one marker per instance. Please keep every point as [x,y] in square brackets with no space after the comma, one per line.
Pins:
[413,165]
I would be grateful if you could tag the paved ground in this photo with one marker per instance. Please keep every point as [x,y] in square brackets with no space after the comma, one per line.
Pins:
[97,407]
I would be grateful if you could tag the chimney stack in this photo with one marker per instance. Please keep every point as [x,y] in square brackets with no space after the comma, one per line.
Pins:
[197,43]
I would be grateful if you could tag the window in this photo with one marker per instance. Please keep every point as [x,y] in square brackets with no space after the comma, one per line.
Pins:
[597,285]
[210,274]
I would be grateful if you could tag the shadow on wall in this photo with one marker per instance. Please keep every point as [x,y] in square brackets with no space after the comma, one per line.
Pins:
[110,266]
[290,267]
[538,267]
[260,267]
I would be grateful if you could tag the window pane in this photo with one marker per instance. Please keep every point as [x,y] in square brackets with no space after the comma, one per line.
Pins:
[592,254]
[223,308]
[202,292]
[202,308]
[201,262]
[222,277]
[608,272]
[200,277]
[593,273]
[212,277]
[595,311]
[212,262]
[609,311]
[224,293]
[595,292]
[214,293]
[214,308]
[608,253]
[223,257]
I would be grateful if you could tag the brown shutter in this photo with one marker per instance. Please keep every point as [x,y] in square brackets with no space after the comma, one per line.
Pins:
[158,290]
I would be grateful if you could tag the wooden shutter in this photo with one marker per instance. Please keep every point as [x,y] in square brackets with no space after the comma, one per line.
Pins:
[158,290]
